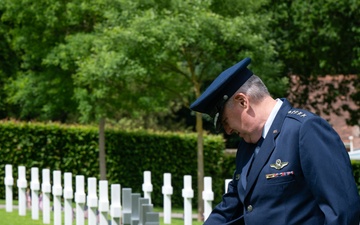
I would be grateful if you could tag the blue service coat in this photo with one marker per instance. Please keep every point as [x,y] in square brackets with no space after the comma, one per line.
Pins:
[315,187]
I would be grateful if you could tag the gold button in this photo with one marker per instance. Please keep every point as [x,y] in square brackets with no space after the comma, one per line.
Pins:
[249,208]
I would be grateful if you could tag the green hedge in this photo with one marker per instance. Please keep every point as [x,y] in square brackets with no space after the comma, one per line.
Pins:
[356,168]
[129,153]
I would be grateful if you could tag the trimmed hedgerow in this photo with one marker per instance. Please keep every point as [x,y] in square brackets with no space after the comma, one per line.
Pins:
[128,154]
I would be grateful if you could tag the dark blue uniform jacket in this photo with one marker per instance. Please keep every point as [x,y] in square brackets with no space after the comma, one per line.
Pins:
[301,176]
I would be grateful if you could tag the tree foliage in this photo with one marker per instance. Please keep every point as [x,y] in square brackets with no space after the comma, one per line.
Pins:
[317,38]
[82,61]
[33,29]
[77,58]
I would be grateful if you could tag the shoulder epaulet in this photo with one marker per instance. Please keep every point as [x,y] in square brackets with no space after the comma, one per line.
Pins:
[298,113]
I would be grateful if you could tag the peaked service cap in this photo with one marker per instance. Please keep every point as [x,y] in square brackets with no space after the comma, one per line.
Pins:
[212,100]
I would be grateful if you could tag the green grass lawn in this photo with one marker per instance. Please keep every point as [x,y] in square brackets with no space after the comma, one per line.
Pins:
[13,218]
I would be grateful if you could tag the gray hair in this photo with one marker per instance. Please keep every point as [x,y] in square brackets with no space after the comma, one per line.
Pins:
[254,88]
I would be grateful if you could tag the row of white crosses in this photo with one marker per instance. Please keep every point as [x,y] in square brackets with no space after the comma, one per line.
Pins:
[67,193]
[128,213]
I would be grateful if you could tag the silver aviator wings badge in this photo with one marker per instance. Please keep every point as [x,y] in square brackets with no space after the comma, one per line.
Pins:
[278,164]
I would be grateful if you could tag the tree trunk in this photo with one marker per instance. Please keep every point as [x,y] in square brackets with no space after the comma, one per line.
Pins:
[102,154]
[200,169]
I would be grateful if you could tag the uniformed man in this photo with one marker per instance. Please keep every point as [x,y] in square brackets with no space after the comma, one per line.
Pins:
[291,166]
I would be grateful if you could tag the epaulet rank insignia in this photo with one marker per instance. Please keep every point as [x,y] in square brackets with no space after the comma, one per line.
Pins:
[297,113]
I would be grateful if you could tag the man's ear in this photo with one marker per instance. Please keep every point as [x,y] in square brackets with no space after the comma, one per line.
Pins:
[242,100]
